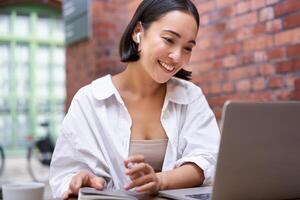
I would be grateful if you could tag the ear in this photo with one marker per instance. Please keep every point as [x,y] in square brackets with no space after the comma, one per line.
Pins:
[137,32]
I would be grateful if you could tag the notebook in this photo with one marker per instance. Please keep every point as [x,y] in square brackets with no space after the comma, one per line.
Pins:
[87,193]
[258,155]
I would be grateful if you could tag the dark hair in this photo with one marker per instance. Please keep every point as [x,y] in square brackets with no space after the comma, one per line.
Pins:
[147,12]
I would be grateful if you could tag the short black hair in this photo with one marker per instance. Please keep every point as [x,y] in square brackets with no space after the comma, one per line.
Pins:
[146,13]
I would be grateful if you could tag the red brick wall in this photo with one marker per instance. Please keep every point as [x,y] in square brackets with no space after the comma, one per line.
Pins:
[246,49]
[297,89]
[98,56]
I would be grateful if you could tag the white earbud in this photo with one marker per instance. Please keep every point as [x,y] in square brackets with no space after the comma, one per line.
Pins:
[138,37]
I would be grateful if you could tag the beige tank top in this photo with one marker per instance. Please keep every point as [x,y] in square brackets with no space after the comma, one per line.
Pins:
[153,150]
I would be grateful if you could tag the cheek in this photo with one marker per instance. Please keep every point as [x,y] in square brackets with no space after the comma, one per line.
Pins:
[160,49]
[187,59]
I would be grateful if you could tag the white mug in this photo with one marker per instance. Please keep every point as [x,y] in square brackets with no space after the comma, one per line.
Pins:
[23,191]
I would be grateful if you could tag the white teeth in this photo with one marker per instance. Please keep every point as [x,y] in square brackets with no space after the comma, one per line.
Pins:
[166,66]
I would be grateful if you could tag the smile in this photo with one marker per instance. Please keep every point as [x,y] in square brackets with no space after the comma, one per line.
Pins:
[169,68]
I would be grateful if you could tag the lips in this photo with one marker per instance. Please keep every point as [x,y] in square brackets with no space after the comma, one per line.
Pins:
[166,66]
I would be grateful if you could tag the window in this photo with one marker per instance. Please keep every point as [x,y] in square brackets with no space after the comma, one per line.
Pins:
[32,73]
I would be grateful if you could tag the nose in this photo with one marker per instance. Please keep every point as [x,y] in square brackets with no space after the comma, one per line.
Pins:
[175,55]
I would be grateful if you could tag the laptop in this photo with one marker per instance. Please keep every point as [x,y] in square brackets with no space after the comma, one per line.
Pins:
[259,154]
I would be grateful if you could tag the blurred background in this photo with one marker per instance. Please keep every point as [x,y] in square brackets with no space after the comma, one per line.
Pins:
[246,50]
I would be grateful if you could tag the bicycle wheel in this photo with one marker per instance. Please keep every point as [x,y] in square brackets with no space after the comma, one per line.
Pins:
[38,170]
[2,160]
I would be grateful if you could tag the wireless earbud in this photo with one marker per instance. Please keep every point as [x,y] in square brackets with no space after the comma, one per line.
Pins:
[138,37]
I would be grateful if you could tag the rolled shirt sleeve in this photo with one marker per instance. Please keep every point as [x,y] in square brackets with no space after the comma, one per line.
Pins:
[76,150]
[63,166]
[199,138]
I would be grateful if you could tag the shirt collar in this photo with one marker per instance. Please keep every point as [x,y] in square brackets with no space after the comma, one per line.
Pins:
[103,88]
[177,91]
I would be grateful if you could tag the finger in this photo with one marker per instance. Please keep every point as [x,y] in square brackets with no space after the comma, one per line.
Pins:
[134,159]
[139,182]
[139,168]
[76,183]
[97,182]
[135,176]
[148,187]
[66,194]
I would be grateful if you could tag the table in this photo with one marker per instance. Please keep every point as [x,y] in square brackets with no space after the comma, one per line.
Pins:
[154,198]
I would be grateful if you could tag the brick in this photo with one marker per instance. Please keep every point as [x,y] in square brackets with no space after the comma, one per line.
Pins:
[276,53]
[296,95]
[243,6]
[296,92]
[227,12]
[213,17]
[271,2]
[230,61]
[288,66]
[228,87]
[204,43]
[217,112]
[258,84]
[221,14]
[215,88]
[266,69]
[274,25]
[243,85]
[287,6]
[258,29]
[291,21]
[266,13]
[226,49]
[256,4]
[223,3]
[217,63]
[217,101]
[213,76]
[201,67]
[243,20]
[276,82]
[288,37]
[260,56]
[212,29]
[204,20]
[261,95]
[297,84]
[242,72]
[293,50]
[229,37]
[205,89]
[244,33]
[284,95]
[257,43]
[247,58]
[206,7]
[202,55]
[290,80]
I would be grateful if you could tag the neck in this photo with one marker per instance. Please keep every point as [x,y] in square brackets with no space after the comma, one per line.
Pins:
[136,81]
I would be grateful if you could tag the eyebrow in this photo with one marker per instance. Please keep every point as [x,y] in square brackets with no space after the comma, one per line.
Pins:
[179,36]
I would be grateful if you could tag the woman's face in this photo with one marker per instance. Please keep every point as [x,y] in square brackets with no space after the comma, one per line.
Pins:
[166,46]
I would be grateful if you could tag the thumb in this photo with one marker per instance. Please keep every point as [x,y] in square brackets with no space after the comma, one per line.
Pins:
[97,182]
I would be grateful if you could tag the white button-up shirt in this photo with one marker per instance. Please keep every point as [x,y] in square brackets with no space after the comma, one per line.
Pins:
[95,134]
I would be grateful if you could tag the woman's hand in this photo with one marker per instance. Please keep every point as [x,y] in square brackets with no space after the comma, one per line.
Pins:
[83,179]
[142,175]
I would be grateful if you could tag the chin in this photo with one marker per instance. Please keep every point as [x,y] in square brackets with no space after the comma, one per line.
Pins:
[162,80]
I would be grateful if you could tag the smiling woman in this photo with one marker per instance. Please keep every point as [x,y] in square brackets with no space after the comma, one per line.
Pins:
[146,127]
[166,45]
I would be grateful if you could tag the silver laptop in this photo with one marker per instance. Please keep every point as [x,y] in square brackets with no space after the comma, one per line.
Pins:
[259,155]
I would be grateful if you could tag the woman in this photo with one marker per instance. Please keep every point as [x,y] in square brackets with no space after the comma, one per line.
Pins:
[142,128]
